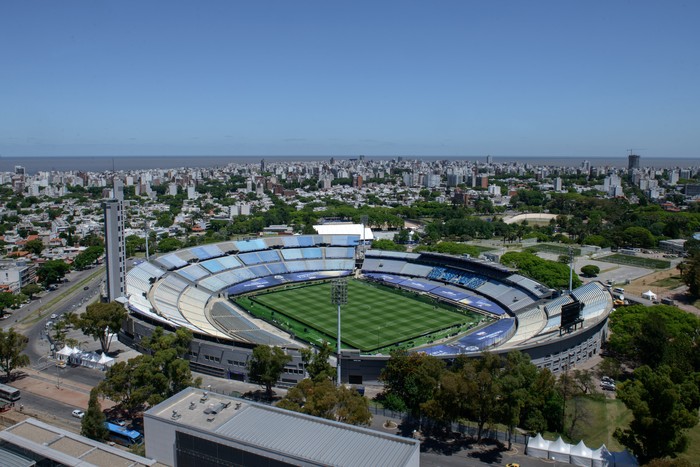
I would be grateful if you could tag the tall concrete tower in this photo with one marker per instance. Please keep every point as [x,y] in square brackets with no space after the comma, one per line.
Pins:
[115,248]
[632,161]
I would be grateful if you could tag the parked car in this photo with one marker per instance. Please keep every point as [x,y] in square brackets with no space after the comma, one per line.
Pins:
[608,386]
[607,379]
[78,413]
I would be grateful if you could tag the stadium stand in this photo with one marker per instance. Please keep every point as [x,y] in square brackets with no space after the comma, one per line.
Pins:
[237,325]
[193,272]
[171,262]
[415,270]
[187,287]
[340,252]
[463,278]
[595,298]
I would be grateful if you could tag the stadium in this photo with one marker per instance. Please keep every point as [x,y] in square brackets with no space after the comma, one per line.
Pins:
[235,295]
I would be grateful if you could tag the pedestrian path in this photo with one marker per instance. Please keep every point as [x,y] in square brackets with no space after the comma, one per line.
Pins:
[45,385]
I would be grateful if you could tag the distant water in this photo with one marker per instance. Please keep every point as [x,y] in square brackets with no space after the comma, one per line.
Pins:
[126,163]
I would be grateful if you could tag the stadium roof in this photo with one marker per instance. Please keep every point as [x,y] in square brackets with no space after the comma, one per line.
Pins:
[344,229]
[292,434]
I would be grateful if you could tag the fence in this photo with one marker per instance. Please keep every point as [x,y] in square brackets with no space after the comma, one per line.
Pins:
[470,429]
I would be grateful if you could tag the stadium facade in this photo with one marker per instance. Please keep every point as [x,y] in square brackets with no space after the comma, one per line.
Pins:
[191,288]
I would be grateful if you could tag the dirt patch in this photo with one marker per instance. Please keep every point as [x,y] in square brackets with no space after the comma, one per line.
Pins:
[678,294]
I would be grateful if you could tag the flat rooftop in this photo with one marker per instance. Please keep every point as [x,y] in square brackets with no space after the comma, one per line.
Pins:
[67,448]
[284,432]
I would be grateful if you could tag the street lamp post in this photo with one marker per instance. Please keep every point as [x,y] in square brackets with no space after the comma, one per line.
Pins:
[339,296]
[58,376]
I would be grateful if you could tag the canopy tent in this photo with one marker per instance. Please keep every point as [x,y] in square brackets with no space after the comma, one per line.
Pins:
[537,446]
[105,361]
[624,459]
[649,295]
[560,451]
[581,455]
[64,353]
[89,359]
[601,457]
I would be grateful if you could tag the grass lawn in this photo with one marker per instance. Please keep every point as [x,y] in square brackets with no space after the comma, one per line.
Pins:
[375,316]
[604,416]
[636,261]
[669,282]
[558,249]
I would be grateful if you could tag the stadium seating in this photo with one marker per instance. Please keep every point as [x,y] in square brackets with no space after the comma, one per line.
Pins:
[463,278]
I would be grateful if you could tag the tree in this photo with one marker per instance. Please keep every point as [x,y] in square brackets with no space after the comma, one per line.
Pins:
[7,300]
[410,379]
[386,244]
[656,335]
[11,346]
[52,272]
[515,383]
[690,273]
[590,270]
[154,376]
[100,320]
[317,364]
[169,244]
[662,412]
[31,289]
[34,246]
[322,398]
[93,423]
[88,257]
[485,390]
[266,365]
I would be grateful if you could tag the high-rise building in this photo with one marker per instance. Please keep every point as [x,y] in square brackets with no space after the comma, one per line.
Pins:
[115,249]
[262,165]
[557,184]
[632,161]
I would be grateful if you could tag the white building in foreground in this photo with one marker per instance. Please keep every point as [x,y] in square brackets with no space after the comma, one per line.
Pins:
[196,427]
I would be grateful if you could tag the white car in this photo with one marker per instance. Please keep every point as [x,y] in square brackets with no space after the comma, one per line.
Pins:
[78,413]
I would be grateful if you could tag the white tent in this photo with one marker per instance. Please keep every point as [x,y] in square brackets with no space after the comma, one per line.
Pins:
[581,455]
[601,457]
[64,353]
[105,361]
[649,295]
[537,447]
[90,359]
[625,459]
[560,450]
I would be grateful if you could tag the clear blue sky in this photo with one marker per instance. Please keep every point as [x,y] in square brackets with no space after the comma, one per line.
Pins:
[530,78]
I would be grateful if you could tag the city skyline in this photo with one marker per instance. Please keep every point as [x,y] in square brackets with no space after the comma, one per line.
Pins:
[547,79]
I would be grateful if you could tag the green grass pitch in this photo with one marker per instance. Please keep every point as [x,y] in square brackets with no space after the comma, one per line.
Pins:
[374,317]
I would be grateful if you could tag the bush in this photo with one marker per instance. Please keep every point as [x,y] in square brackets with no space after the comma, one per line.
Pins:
[590,270]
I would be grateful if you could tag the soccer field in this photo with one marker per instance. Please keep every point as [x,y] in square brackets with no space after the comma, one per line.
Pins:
[374,317]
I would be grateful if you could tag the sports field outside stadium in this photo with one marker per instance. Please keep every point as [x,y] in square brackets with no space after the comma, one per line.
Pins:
[375,316]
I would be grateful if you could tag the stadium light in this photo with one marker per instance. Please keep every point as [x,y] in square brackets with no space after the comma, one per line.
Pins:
[571,268]
[339,296]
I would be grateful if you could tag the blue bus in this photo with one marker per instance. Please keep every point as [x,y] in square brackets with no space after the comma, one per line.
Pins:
[122,435]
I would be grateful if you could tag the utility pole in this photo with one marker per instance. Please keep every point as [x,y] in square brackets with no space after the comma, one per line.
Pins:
[339,296]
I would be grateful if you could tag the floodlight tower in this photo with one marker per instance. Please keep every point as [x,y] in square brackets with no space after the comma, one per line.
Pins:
[339,296]
[364,218]
[146,231]
[571,268]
